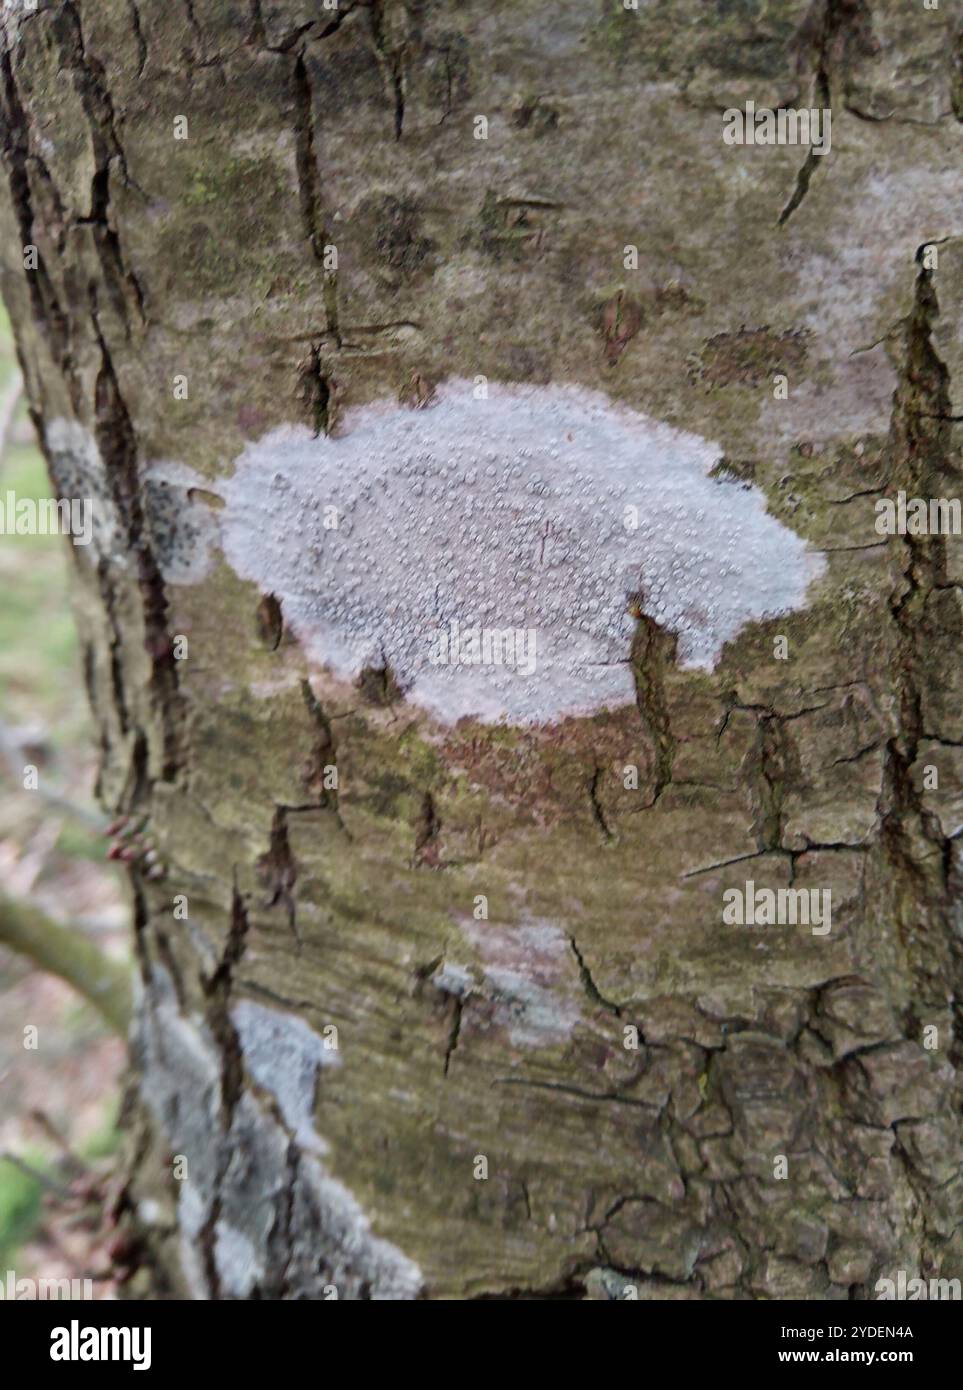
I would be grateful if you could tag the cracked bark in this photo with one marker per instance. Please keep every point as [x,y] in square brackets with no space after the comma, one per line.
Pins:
[315,906]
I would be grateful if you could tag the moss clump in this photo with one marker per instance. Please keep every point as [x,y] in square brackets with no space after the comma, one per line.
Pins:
[617,32]
[242,180]
[392,229]
[503,229]
[749,356]
[532,114]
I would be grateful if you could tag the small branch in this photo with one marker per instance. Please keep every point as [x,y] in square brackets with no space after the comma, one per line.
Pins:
[66,952]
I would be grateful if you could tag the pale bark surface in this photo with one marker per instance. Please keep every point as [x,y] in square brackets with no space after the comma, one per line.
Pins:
[458,257]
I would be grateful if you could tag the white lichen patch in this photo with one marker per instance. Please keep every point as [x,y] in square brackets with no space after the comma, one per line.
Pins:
[536,512]
[181,529]
[79,473]
[240,1177]
[179,519]
[390,1273]
[238,1265]
[528,975]
[283,1055]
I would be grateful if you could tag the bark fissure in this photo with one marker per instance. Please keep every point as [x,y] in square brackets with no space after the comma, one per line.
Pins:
[120,278]
[427,832]
[597,813]
[322,756]
[653,650]
[315,384]
[135,24]
[842,23]
[309,183]
[771,770]
[117,443]
[921,442]
[560,1087]
[219,993]
[45,304]
[391,59]
[454,1030]
[585,975]
[279,871]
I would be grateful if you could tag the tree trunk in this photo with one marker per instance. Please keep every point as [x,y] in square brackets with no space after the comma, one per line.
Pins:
[441,993]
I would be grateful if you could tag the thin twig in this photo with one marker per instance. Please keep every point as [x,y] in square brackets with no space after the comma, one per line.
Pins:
[30,1171]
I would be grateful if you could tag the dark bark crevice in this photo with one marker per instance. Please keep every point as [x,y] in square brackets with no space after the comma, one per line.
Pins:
[312,214]
[117,443]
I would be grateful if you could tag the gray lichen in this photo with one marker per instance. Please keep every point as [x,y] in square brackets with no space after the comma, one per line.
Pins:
[538,510]
[248,1171]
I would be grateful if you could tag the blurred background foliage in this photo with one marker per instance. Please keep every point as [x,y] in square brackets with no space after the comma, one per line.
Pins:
[58,1099]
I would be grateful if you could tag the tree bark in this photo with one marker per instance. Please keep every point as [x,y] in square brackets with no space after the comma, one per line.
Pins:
[330,1035]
